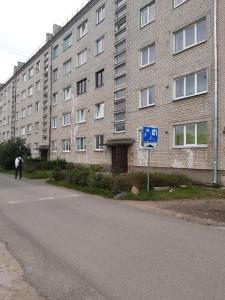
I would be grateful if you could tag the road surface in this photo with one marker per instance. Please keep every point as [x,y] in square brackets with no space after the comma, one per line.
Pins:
[76,246]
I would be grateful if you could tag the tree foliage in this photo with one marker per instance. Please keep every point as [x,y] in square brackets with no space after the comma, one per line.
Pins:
[11,149]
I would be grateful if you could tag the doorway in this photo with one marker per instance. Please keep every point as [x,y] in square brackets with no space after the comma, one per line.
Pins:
[120,158]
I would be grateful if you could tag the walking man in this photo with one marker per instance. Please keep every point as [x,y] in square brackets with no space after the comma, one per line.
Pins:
[18,166]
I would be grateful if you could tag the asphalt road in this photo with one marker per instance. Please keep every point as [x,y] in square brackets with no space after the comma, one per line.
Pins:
[75,246]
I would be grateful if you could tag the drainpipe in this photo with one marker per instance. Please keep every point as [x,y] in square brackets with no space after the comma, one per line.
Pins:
[215,146]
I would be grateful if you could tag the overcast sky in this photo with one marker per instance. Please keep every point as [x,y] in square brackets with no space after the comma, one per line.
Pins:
[23,25]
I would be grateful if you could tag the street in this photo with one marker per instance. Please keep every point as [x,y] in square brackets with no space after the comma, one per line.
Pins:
[76,246]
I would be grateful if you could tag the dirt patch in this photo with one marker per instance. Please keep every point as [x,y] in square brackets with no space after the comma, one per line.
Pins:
[12,283]
[211,212]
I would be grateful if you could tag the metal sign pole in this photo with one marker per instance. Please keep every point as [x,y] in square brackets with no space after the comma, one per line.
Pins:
[148,181]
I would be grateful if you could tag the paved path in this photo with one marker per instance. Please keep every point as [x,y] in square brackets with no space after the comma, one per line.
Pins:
[75,246]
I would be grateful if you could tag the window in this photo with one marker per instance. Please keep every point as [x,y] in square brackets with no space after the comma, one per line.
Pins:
[178,2]
[54,146]
[36,148]
[81,115]
[66,119]
[37,106]
[23,95]
[191,134]
[100,46]
[191,85]
[23,130]
[82,58]
[24,77]
[23,113]
[119,3]
[81,144]
[38,66]
[36,127]
[99,141]
[190,36]
[30,91]
[120,94]
[147,55]
[121,24]
[66,145]
[100,14]
[55,74]
[55,52]
[54,98]
[82,30]
[29,110]
[29,129]
[54,122]
[67,67]
[67,93]
[82,86]
[147,97]
[120,80]
[99,78]
[148,14]
[38,86]
[67,42]
[120,47]
[119,127]
[30,72]
[99,111]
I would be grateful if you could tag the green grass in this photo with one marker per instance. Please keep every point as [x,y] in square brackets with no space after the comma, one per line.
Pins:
[190,192]
[39,174]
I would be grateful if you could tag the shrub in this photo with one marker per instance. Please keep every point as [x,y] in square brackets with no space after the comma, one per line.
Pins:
[173,180]
[121,184]
[78,175]
[139,180]
[11,149]
[58,175]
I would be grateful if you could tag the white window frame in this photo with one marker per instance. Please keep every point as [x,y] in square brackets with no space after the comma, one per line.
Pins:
[183,30]
[67,93]
[81,115]
[54,98]
[148,7]
[99,112]
[29,129]
[66,119]
[81,146]
[185,145]
[30,91]
[54,146]
[100,49]
[98,146]
[195,87]
[100,14]
[82,29]
[149,49]
[82,57]
[66,145]
[67,67]
[176,5]
[54,122]
[140,97]
[29,110]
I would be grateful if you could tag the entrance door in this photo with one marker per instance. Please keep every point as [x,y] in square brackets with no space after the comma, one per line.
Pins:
[120,158]
[44,154]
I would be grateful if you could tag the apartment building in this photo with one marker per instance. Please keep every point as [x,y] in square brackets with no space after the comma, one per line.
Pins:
[116,67]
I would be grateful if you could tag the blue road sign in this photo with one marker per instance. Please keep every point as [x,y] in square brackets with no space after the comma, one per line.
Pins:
[150,135]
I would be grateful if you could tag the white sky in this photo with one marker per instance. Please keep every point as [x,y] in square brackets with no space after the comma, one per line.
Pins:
[23,25]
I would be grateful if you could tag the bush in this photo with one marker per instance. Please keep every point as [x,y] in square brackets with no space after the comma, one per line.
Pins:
[78,175]
[11,149]
[173,180]
[59,175]
[121,184]
[139,180]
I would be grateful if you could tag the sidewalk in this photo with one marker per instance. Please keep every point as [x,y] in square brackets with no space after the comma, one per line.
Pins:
[12,283]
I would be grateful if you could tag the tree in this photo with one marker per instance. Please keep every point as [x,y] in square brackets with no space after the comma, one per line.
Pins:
[11,149]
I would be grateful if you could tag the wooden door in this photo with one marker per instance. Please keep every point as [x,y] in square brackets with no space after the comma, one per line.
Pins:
[120,158]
